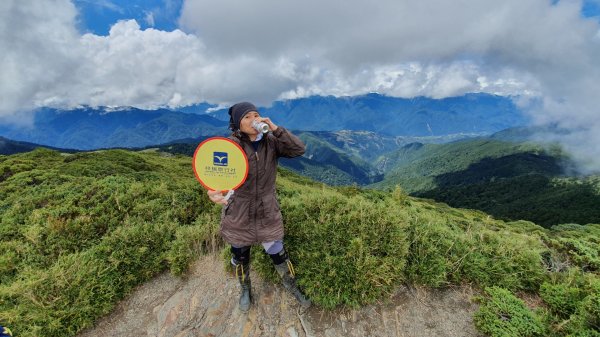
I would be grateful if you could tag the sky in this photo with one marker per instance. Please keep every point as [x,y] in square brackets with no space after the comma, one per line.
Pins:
[169,53]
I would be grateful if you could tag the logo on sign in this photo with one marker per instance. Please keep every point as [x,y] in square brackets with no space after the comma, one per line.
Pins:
[220,158]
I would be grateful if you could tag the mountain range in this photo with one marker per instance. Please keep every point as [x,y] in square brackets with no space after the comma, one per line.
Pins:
[502,174]
[499,174]
[507,179]
[8,147]
[464,166]
[393,116]
[92,128]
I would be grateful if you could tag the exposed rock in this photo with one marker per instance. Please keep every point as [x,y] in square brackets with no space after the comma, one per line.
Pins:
[205,304]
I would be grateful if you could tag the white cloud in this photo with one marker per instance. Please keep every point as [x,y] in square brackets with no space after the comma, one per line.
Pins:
[263,50]
[149,18]
[431,47]
[104,4]
[30,64]
[410,80]
[154,68]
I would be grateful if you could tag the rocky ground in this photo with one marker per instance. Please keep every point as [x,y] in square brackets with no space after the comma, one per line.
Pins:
[205,304]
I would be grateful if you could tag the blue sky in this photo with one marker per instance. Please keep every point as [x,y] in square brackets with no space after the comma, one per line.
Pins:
[97,16]
[591,9]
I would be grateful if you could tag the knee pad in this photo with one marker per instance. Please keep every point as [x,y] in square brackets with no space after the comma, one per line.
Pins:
[280,257]
[241,255]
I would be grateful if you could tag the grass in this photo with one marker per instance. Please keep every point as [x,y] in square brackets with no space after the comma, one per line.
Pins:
[504,315]
[79,232]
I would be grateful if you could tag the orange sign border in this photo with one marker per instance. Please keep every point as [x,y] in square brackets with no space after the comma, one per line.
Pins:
[232,142]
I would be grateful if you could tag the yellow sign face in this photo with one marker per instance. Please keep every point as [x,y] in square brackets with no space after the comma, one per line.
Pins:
[220,164]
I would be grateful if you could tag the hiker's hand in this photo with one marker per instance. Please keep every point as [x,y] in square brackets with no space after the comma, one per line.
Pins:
[267,120]
[216,197]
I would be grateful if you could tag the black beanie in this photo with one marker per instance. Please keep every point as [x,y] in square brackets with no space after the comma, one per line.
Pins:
[237,112]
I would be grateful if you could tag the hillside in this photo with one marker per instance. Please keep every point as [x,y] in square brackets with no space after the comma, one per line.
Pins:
[8,147]
[507,179]
[335,158]
[368,145]
[94,128]
[501,174]
[416,165]
[322,161]
[79,231]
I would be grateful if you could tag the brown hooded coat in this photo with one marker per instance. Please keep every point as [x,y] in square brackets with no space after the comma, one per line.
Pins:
[252,214]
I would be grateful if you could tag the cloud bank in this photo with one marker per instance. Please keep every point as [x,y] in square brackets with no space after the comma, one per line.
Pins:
[265,50]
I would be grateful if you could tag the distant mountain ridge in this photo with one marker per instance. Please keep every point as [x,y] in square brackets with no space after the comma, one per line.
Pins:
[369,145]
[393,116]
[336,158]
[499,175]
[93,128]
[322,160]
[8,147]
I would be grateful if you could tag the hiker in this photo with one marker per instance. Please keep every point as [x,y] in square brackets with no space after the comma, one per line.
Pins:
[252,215]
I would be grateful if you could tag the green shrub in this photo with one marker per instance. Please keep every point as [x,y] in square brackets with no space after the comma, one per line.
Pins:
[581,244]
[77,233]
[192,241]
[428,257]
[505,259]
[501,314]
[346,250]
[562,299]
[448,248]
[80,287]
[586,319]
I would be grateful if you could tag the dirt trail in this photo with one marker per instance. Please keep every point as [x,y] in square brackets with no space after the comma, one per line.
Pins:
[205,304]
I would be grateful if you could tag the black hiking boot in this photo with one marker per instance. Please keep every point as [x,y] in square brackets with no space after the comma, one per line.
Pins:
[243,274]
[286,271]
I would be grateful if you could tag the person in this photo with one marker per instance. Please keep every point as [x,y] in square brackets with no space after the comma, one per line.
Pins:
[252,215]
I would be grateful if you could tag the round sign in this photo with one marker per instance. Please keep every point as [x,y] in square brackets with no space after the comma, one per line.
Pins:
[220,164]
